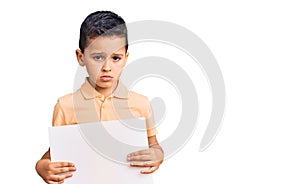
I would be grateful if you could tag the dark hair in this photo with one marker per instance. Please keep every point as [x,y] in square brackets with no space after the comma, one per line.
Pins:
[105,23]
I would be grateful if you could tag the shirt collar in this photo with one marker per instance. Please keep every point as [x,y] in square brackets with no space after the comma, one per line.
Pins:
[89,92]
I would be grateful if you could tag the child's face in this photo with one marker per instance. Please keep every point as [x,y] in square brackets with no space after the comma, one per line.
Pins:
[104,58]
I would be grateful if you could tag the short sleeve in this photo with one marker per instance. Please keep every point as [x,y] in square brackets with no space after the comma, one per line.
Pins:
[58,115]
[151,129]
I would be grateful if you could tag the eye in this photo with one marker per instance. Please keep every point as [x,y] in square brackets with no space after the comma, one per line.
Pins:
[116,58]
[98,58]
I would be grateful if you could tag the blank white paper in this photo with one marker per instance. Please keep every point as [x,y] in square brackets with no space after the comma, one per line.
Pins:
[99,151]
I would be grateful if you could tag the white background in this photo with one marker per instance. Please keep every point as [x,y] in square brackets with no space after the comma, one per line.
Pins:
[256,44]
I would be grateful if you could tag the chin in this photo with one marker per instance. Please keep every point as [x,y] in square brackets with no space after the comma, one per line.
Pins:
[104,85]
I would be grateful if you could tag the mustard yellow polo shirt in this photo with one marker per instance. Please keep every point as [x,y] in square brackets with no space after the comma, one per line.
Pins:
[88,105]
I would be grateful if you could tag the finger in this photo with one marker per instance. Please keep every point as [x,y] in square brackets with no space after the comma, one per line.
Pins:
[64,170]
[142,164]
[139,158]
[141,152]
[150,170]
[62,164]
[67,175]
[54,182]
[60,178]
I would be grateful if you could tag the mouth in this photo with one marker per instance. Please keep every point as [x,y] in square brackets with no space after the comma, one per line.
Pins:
[106,78]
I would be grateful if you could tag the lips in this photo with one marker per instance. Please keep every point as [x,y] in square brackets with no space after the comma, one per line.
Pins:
[106,78]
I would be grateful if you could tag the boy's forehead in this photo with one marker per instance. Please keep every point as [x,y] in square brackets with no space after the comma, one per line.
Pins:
[106,44]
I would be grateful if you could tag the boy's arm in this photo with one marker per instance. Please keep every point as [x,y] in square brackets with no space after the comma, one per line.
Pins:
[151,157]
[47,155]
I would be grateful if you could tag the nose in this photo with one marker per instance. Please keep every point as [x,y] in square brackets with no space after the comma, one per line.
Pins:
[106,66]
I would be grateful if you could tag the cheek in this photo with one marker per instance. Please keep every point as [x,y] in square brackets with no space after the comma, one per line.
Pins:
[93,70]
[118,69]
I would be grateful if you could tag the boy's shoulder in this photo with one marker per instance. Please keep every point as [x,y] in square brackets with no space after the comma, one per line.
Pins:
[136,96]
[66,99]
[138,100]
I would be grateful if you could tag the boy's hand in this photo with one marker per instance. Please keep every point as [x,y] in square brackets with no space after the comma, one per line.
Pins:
[54,172]
[151,157]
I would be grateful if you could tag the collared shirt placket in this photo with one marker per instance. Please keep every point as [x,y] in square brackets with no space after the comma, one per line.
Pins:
[103,102]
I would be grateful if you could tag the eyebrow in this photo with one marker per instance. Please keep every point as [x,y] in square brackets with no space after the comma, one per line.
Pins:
[116,54]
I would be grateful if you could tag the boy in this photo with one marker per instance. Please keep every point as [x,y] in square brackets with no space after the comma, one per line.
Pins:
[103,51]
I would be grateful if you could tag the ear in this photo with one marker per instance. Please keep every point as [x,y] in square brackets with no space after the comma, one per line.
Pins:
[126,57]
[79,56]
